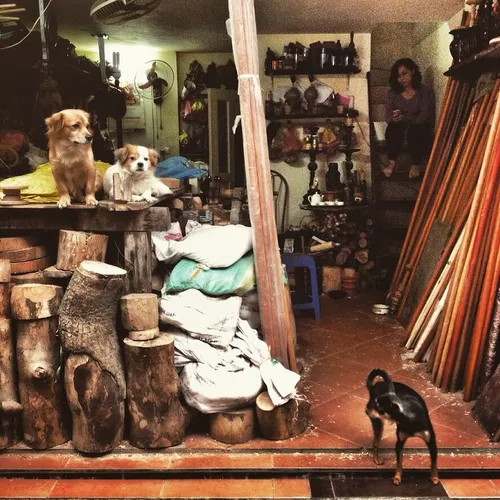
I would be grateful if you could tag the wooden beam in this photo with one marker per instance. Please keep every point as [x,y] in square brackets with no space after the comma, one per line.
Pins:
[100,220]
[277,319]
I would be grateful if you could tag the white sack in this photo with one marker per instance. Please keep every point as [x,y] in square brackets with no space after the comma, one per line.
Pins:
[212,390]
[211,319]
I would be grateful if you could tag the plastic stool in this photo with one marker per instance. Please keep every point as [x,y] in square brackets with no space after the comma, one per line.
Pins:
[293,260]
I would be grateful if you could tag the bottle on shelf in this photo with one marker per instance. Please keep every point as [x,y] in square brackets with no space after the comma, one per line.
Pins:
[268,63]
[339,55]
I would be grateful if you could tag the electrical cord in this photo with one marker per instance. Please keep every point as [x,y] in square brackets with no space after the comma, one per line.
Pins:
[29,32]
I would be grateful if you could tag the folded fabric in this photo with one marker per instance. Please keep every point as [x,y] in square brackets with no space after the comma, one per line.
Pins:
[180,167]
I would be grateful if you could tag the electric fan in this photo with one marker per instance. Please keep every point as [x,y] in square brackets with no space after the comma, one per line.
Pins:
[121,11]
[158,76]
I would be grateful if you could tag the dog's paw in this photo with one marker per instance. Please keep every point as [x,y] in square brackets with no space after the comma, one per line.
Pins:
[148,198]
[90,200]
[64,201]
[397,479]
[378,460]
[435,480]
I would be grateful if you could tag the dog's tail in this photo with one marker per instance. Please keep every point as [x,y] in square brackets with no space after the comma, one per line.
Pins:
[378,372]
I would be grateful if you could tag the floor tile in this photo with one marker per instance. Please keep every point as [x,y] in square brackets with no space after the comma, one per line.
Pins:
[107,488]
[292,488]
[32,488]
[35,461]
[207,461]
[321,487]
[218,488]
[150,460]
[340,461]
[470,488]
[489,460]
[383,487]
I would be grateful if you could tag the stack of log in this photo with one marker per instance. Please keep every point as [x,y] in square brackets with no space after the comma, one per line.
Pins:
[157,418]
[27,254]
[447,277]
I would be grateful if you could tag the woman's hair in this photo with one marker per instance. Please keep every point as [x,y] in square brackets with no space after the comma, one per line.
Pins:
[416,80]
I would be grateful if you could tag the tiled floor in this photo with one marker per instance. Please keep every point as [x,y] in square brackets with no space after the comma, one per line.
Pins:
[335,355]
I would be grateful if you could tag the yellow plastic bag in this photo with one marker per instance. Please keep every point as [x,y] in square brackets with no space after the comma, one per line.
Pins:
[41,184]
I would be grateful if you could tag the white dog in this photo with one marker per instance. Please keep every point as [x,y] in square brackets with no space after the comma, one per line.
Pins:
[136,164]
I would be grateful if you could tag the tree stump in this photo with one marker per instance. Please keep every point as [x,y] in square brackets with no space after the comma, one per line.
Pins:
[45,414]
[150,334]
[10,409]
[4,288]
[282,422]
[76,246]
[157,418]
[94,377]
[139,311]
[232,427]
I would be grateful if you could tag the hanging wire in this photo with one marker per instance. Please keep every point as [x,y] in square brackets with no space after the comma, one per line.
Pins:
[30,31]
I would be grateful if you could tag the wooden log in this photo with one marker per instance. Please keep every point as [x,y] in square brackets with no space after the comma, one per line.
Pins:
[233,427]
[361,256]
[76,246]
[5,271]
[122,188]
[34,301]
[139,311]
[10,408]
[24,254]
[157,418]
[94,376]
[332,278]
[45,415]
[18,242]
[282,422]
[96,404]
[29,266]
[5,300]
[137,250]
[35,277]
[150,334]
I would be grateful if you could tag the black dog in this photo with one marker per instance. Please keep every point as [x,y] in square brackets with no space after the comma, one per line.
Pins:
[399,403]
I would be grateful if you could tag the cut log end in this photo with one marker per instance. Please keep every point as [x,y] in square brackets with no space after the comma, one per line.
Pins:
[163,339]
[232,427]
[35,301]
[282,422]
[10,407]
[93,267]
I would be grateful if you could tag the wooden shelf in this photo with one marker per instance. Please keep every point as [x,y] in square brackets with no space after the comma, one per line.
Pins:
[334,208]
[305,116]
[345,70]
[486,59]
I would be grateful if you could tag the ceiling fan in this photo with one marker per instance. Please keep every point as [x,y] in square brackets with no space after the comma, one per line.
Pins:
[121,11]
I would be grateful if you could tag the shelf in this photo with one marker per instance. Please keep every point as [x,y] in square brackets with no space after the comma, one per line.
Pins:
[334,208]
[349,70]
[352,113]
[486,59]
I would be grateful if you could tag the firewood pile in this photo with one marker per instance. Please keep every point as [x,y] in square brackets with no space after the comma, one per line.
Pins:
[447,277]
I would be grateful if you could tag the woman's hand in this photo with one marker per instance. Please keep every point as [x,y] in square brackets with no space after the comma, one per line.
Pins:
[397,116]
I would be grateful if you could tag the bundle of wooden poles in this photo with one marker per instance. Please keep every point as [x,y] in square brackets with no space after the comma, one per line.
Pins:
[447,277]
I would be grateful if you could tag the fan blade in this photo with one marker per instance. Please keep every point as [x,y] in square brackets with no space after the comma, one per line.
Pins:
[146,85]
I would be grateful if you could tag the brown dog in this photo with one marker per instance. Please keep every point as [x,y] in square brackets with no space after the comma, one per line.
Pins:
[71,157]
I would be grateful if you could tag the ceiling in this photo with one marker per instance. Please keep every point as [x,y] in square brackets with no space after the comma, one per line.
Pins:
[199,25]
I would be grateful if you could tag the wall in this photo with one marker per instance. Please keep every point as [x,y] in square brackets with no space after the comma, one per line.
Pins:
[133,58]
[297,174]
[433,56]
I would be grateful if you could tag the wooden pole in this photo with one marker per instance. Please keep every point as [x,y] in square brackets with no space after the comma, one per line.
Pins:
[276,318]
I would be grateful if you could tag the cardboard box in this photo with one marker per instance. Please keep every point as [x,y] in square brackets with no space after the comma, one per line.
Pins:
[171,182]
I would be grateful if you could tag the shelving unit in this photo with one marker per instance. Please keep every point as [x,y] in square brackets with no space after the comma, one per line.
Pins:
[487,59]
[341,70]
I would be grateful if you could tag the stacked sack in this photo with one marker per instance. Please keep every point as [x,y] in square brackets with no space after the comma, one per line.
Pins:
[219,355]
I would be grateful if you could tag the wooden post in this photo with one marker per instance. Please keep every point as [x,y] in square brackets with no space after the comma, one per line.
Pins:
[76,246]
[139,311]
[45,414]
[232,427]
[277,320]
[157,418]
[94,376]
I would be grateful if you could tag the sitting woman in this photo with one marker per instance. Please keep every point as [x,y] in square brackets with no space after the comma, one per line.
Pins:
[410,111]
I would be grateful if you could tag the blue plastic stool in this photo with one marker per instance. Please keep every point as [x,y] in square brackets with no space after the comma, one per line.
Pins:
[293,260]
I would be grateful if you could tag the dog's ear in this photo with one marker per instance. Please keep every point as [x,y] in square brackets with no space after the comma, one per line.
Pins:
[55,122]
[153,157]
[122,153]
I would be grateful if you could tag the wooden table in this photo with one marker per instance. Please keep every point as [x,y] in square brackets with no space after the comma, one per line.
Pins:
[135,220]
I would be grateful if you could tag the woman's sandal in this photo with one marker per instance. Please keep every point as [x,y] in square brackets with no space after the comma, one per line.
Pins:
[414,172]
